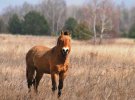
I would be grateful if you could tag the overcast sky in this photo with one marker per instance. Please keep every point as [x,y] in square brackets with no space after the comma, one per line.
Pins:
[5,3]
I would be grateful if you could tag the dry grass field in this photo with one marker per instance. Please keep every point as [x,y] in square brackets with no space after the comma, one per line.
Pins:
[102,72]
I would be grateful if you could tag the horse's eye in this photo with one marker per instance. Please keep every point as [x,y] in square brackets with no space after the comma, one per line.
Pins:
[62,42]
[59,42]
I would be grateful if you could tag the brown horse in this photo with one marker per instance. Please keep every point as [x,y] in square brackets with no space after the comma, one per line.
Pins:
[53,61]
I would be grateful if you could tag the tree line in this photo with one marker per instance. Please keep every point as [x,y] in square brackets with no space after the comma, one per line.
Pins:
[33,23]
[94,19]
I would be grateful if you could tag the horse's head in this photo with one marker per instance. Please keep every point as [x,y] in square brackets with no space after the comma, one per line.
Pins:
[64,43]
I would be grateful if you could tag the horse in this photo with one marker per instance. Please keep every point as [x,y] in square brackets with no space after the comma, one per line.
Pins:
[44,60]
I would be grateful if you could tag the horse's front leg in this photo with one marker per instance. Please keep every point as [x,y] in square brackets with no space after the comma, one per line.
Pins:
[54,84]
[61,80]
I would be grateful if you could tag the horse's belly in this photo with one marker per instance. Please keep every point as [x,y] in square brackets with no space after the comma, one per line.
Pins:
[43,66]
[46,69]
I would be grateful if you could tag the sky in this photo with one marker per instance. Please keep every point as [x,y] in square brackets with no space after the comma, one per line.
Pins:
[6,3]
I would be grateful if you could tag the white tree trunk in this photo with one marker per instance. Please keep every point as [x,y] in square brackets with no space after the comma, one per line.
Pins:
[101,36]
[94,29]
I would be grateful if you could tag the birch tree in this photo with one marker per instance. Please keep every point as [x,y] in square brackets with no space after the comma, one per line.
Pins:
[55,13]
[102,15]
[105,21]
[93,6]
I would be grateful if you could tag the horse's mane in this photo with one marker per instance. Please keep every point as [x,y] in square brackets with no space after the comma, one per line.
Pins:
[65,33]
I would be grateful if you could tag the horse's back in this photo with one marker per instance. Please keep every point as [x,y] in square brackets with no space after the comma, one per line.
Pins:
[39,50]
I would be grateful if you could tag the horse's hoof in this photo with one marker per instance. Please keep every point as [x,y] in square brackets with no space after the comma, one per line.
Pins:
[54,88]
[29,91]
[36,91]
[59,94]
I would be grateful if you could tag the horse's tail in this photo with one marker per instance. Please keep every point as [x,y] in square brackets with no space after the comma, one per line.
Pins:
[30,70]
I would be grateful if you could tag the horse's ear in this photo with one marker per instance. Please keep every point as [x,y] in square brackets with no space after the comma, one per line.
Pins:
[61,33]
[69,33]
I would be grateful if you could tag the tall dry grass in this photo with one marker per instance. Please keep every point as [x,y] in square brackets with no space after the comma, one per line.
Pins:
[102,72]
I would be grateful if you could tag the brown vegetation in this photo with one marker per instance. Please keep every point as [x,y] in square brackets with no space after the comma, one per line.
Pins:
[102,72]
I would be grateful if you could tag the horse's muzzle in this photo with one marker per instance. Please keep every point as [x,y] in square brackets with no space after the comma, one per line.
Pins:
[65,51]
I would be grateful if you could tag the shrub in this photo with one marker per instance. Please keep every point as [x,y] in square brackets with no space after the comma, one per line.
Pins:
[79,31]
[35,24]
[132,31]
[82,32]
[14,24]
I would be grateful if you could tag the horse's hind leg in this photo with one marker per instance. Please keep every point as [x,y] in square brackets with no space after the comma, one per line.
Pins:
[30,76]
[37,80]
